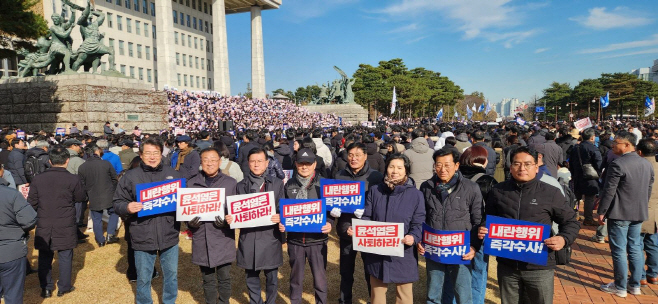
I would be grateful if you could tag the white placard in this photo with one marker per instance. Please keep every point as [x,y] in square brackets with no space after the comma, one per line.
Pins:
[582,124]
[288,175]
[251,210]
[380,238]
[206,203]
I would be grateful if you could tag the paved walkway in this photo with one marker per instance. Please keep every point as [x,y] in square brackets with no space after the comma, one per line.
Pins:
[591,266]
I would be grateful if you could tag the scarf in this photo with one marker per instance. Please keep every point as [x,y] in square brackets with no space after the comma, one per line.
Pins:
[444,189]
[393,183]
[256,182]
[181,156]
[306,183]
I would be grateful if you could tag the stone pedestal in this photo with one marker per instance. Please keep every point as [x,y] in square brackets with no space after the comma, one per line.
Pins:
[350,113]
[48,102]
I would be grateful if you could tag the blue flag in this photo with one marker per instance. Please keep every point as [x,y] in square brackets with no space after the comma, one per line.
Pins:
[446,247]
[517,240]
[456,114]
[481,108]
[488,109]
[469,112]
[649,106]
[605,100]
[439,115]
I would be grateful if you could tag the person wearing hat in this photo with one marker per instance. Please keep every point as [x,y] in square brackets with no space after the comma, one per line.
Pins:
[74,147]
[187,160]
[305,184]
[127,153]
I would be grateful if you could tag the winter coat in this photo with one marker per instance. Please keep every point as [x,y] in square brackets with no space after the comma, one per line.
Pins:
[485,182]
[100,182]
[243,156]
[274,168]
[340,164]
[461,210]
[233,170]
[260,247]
[627,188]
[107,130]
[4,157]
[190,166]
[462,142]
[17,217]
[552,157]
[368,175]
[230,145]
[155,232]
[566,143]
[75,161]
[126,157]
[53,195]
[375,160]
[649,226]
[41,155]
[492,158]
[537,138]
[15,165]
[211,245]
[537,202]
[323,151]
[114,160]
[404,204]
[422,164]
[203,144]
[283,154]
[300,238]
[590,155]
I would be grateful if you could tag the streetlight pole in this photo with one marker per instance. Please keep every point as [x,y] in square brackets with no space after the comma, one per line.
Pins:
[571,104]
[556,108]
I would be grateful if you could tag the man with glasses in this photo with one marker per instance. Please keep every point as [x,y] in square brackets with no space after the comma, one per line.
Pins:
[624,203]
[525,197]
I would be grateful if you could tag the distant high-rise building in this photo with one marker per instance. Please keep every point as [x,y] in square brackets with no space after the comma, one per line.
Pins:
[648,74]
[507,107]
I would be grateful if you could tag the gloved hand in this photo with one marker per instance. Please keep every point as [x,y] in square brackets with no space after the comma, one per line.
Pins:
[335,212]
[358,213]
[194,223]
[219,222]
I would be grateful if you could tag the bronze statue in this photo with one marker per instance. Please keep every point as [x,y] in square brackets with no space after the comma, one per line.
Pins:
[92,47]
[340,91]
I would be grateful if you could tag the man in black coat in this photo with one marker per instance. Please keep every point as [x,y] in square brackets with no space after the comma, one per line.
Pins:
[16,161]
[248,143]
[100,182]
[586,153]
[53,195]
[40,152]
[150,235]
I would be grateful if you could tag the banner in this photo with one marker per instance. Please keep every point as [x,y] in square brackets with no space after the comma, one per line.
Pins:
[446,247]
[251,210]
[60,131]
[206,203]
[303,215]
[346,195]
[378,237]
[582,124]
[24,190]
[158,197]
[517,240]
[179,131]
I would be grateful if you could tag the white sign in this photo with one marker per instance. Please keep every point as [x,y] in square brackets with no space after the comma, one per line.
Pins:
[251,210]
[380,238]
[24,190]
[179,131]
[206,203]
[288,175]
[582,124]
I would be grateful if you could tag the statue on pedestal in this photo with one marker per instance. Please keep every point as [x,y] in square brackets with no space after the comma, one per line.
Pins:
[340,91]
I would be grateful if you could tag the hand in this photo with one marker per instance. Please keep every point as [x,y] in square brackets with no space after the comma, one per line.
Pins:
[408,240]
[135,207]
[601,219]
[421,248]
[482,232]
[194,223]
[282,228]
[229,219]
[358,213]
[219,222]
[326,228]
[350,232]
[335,212]
[470,255]
[276,219]
[555,243]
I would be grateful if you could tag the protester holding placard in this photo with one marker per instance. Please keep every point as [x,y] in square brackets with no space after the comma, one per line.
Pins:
[150,235]
[260,248]
[305,184]
[453,203]
[357,169]
[525,197]
[213,243]
[396,200]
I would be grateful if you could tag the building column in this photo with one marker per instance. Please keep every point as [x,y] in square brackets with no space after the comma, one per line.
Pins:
[222,81]
[165,44]
[257,59]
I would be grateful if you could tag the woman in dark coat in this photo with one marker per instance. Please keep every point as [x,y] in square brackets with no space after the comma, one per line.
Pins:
[213,243]
[395,200]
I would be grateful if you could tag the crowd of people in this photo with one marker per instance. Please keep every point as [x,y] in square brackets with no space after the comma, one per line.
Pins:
[449,176]
[202,111]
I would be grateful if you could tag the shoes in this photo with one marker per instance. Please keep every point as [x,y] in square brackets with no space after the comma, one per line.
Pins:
[61,293]
[596,239]
[81,236]
[643,283]
[612,289]
[651,280]
[634,291]
[590,223]
[46,293]
[101,244]
[111,239]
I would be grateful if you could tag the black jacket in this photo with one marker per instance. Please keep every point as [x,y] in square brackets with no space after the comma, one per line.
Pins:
[17,217]
[300,238]
[589,154]
[15,166]
[41,155]
[366,174]
[243,156]
[485,182]
[100,182]
[213,246]
[230,145]
[533,201]
[155,232]
[340,164]
[375,160]
[283,154]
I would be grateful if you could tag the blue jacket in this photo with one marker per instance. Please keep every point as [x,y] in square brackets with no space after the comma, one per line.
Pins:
[405,204]
[114,160]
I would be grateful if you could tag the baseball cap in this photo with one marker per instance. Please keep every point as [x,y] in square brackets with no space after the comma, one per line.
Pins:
[183,138]
[305,156]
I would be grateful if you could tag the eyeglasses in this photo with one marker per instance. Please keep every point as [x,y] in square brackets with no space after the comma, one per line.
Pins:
[257,162]
[446,166]
[151,153]
[518,165]
[210,161]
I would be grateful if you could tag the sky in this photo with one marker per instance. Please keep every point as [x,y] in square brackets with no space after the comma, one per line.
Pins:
[503,48]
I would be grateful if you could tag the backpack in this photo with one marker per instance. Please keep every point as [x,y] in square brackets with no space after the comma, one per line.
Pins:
[32,167]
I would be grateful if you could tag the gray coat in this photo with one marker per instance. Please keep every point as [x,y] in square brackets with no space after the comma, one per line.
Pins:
[17,217]
[213,246]
[422,164]
[74,162]
[260,247]
[627,188]
[553,156]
